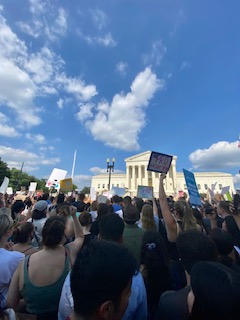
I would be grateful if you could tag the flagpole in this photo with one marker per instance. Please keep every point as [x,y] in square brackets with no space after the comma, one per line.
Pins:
[74,161]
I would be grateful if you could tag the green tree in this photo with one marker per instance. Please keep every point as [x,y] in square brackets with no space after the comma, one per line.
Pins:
[86,190]
[4,171]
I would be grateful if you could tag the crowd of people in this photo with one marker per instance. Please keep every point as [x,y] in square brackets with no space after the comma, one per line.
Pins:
[62,258]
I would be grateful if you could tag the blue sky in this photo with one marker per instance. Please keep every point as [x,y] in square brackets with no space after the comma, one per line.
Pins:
[116,78]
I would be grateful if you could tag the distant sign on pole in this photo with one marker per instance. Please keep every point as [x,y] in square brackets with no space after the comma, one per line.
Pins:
[32,187]
[55,177]
[145,192]
[93,194]
[159,162]
[66,184]
[192,188]
[4,185]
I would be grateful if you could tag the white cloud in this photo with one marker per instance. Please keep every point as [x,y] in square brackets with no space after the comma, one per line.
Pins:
[119,124]
[158,51]
[121,68]
[8,131]
[85,111]
[219,155]
[37,138]
[37,7]
[97,170]
[32,161]
[82,181]
[60,103]
[106,40]
[99,18]
[185,65]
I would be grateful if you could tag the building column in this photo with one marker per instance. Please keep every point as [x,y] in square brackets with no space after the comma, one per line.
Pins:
[127,178]
[133,187]
[140,175]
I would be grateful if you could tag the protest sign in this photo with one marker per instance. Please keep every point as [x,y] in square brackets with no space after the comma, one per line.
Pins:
[145,192]
[66,184]
[55,177]
[32,187]
[119,191]
[9,190]
[4,185]
[159,162]
[192,188]
[225,190]
[93,194]
[102,199]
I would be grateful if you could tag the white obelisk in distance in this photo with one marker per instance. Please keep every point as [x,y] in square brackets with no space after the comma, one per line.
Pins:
[74,160]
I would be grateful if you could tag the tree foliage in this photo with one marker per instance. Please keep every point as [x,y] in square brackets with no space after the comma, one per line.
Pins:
[86,190]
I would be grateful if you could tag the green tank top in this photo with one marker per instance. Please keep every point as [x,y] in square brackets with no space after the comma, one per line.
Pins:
[44,299]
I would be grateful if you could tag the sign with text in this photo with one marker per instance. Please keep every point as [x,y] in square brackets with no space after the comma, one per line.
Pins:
[159,162]
[145,192]
[9,190]
[55,177]
[192,188]
[66,184]
[117,191]
[32,187]
[102,199]
[225,190]
[4,185]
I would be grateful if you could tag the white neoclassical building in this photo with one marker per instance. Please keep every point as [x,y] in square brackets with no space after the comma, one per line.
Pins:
[137,174]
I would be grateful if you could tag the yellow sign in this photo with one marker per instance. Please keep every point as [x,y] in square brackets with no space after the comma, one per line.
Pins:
[66,184]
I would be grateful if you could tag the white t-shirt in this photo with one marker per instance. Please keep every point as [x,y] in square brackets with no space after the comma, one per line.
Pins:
[9,260]
[38,226]
[65,307]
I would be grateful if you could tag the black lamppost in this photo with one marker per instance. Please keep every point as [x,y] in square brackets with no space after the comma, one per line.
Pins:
[110,169]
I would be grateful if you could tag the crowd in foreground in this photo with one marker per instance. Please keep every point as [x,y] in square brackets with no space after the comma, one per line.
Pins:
[62,258]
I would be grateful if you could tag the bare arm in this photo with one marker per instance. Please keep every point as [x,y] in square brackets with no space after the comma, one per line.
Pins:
[170,222]
[76,245]
[155,208]
[13,296]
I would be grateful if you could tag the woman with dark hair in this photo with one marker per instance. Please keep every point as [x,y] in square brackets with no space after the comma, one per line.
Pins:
[155,269]
[103,209]
[22,237]
[39,279]
[85,219]
[215,292]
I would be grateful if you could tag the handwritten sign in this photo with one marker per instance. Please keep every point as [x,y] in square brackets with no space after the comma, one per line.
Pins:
[4,185]
[55,177]
[145,192]
[159,162]
[32,187]
[192,188]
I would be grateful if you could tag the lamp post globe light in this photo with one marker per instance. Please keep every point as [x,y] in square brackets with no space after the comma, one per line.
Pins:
[110,169]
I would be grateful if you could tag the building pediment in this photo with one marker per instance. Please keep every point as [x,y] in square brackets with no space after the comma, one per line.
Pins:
[144,156]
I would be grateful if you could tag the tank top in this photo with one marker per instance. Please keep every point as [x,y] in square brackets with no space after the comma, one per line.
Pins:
[44,299]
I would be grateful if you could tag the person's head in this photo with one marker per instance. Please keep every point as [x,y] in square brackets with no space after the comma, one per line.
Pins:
[131,214]
[82,196]
[17,207]
[183,211]
[63,210]
[94,206]
[193,246]
[23,233]
[6,226]
[101,280]
[53,231]
[116,199]
[111,227]
[45,196]
[127,200]
[139,203]
[40,210]
[215,292]
[60,198]
[85,219]
[154,257]
[223,208]
[102,209]
[148,222]
[223,241]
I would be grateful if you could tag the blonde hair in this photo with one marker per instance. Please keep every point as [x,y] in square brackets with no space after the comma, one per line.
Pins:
[184,211]
[148,222]
[6,223]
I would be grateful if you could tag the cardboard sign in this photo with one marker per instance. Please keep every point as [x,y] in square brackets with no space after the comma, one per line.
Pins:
[4,185]
[66,184]
[55,177]
[192,188]
[102,199]
[119,191]
[145,192]
[32,187]
[159,162]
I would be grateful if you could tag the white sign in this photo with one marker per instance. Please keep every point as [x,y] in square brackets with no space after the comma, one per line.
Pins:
[4,185]
[225,190]
[93,194]
[117,191]
[55,177]
[101,199]
[32,187]
[9,190]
